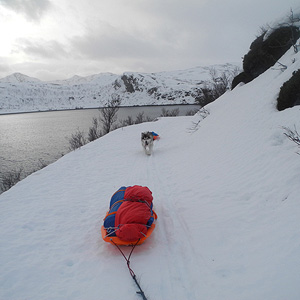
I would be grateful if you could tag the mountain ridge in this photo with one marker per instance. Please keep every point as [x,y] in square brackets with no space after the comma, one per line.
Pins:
[21,93]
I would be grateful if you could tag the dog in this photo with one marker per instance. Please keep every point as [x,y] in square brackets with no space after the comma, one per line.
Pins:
[147,142]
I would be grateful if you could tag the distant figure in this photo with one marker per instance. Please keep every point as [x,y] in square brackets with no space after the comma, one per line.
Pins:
[147,139]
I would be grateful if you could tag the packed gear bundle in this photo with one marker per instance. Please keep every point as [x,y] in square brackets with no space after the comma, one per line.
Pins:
[130,219]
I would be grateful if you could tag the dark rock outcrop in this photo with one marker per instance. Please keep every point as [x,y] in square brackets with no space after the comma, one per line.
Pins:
[265,51]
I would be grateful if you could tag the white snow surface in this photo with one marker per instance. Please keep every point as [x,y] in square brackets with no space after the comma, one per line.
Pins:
[226,192]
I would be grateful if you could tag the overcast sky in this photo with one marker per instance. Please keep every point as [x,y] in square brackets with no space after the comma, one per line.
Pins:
[56,39]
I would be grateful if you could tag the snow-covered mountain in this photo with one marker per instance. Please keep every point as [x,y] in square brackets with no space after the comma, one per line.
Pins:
[226,191]
[20,93]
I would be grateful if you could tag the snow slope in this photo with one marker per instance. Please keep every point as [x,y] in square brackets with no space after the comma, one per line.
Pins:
[226,191]
[20,93]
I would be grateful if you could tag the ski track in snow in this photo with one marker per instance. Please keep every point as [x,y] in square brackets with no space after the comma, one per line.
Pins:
[176,254]
[176,257]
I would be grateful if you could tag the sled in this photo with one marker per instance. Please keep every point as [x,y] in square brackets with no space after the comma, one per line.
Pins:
[114,240]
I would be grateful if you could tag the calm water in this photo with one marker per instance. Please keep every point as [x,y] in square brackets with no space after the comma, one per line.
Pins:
[29,139]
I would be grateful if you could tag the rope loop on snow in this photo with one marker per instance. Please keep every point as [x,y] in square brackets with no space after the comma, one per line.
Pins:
[140,292]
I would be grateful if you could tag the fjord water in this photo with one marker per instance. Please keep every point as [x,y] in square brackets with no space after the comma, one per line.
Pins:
[30,140]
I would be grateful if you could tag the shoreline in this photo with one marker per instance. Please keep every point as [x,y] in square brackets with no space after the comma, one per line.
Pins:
[86,108]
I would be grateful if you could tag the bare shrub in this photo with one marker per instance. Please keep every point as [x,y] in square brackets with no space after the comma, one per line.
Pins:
[107,118]
[11,178]
[42,164]
[207,95]
[292,135]
[217,85]
[140,118]
[202,114]
[109,114]
[94,131]
[77,140]
[192,112]
[127,122]
[169,113]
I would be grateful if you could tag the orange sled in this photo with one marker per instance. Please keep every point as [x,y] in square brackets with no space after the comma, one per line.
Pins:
[115,240]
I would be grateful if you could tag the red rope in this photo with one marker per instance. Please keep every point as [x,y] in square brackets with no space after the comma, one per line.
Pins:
[140,292]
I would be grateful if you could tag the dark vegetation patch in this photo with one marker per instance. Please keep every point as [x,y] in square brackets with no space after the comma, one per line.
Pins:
[265,51]
[289,94]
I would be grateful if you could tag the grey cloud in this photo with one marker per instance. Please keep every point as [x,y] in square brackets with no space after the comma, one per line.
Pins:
[32,9]
[40,48]
[4,67]
[113,44]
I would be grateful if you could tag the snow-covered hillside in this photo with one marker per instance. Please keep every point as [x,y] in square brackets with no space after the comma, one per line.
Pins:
[20,93]
[226,190]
